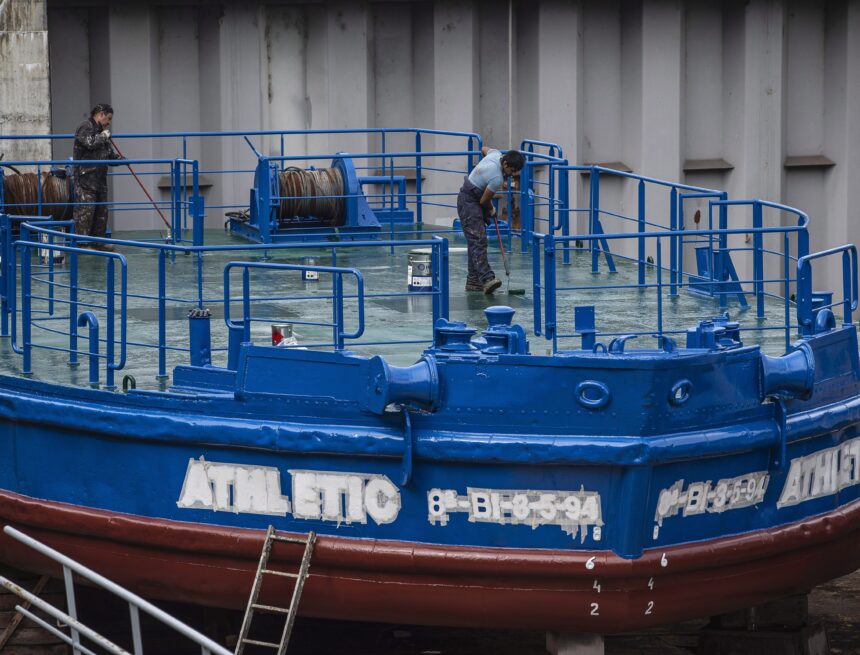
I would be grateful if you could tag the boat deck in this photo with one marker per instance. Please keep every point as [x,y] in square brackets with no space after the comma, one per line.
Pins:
[398,324]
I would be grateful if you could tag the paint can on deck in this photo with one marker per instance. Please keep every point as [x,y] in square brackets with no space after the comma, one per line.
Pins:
[310,276]
[47,254]
[282,334]
[419,270]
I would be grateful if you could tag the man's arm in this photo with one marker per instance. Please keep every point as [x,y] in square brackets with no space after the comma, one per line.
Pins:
[487,200]
[88,138]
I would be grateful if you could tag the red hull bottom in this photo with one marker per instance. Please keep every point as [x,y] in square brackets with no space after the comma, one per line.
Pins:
[402,582]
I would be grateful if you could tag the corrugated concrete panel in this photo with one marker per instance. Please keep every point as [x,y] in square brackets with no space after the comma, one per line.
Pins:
[70,74]
[24,78]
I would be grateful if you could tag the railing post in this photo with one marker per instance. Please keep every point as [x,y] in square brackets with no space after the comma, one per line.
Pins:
[109,329]
[88,319]
[264,200]
[71,606]
[198,212]
[673,242]
[723,252]
[526,207]
[8,279]
[641,229]
[594,209]
[536,300]
[847,289]
[660,290]
[758,260]
[73,308]
[804,297]
[471,158]
[25,309]
[564,208]
[419,203]
[175,202]
[162,307]
[445,279]
[787,290]
[436,277]
[549,289]
[337,300]
[246,305]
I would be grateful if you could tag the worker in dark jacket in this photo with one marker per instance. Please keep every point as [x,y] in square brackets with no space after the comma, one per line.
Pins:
[92,141]
[476,211]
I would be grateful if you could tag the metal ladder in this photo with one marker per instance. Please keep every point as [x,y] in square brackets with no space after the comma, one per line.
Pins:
[291,611]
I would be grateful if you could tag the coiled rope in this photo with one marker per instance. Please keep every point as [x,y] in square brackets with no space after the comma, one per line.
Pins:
[21,195]
[316,193]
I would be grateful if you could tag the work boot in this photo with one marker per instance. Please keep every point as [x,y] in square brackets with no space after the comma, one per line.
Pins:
[491,285]
[474,286]
[104,247]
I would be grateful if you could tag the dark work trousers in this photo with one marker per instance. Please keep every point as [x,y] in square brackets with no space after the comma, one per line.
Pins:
[473,220]
[90,219]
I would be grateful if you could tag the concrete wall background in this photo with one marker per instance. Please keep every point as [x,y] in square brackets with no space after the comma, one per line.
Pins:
[758,97]
[24,84]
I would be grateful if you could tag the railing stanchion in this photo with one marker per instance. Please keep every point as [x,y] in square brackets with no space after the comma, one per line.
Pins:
[162,308]
[673,242]
[641,229]
[758,260]
[594,208]
[660,290]
[537,253]
[787,290]
[549,289]
[419,202]
[26,317]
[109,328]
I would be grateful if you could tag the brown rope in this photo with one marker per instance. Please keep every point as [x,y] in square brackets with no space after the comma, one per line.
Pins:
[21,195]
[312,193]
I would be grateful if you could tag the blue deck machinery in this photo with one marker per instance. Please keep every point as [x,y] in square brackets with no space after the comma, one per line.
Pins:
[289,203]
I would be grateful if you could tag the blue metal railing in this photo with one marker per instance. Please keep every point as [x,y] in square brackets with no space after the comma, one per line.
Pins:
[339,333]
[67,293]
[84,319]
[383,160]
[546,213]
[547,290]
[181,206]
[807,310]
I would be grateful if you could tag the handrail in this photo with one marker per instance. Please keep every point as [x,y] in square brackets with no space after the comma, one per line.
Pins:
[805,311]
[163,135]
[634,176]
[549,145]
[110,292]
[549,306]
[135,602]
[338,329]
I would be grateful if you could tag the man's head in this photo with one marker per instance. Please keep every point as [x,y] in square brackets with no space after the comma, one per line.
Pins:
[512,162]
[102,114]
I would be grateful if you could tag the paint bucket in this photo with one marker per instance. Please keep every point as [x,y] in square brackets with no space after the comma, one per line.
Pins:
[419,270]
[282,335]
[310,276]
[46,254]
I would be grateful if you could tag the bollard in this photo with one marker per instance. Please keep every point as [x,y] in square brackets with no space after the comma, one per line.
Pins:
[88,319]
[200,337]
[235,336]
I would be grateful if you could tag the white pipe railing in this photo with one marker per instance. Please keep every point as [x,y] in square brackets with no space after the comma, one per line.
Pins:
[135,602]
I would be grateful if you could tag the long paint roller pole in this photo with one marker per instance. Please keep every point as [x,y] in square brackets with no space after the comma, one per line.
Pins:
[131,170]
